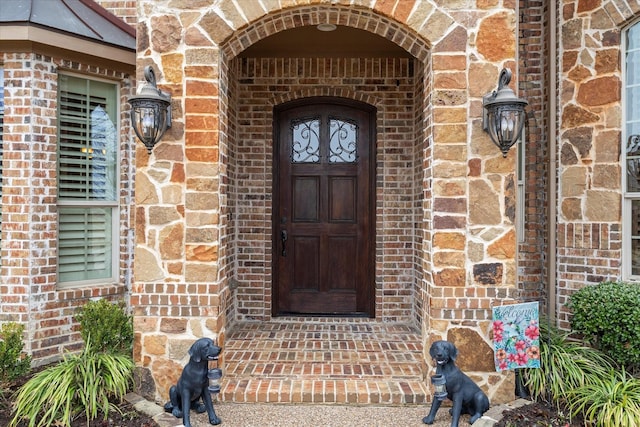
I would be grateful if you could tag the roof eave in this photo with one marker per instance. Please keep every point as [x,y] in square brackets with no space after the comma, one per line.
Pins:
[55,39]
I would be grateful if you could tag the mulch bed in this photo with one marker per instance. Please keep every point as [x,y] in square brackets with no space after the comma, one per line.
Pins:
[540,414]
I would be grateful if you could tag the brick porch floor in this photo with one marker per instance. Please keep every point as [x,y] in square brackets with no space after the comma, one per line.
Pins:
[323,360]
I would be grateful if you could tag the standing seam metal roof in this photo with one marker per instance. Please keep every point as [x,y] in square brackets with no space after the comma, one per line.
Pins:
[82,18]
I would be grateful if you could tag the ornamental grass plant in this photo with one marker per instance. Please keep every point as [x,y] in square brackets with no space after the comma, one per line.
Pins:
[85,383]
[611,401]
[585,379]
[565,365]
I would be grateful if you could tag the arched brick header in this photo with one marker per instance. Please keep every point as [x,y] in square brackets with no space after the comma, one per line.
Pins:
[360,18]
[325,91]
[621,12]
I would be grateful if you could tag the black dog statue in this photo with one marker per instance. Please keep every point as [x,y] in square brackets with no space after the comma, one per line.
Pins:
[466,396]
[191,391]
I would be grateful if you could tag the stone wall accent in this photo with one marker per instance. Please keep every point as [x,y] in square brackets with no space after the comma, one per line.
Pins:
[189,186]
[589,145]
[475,358]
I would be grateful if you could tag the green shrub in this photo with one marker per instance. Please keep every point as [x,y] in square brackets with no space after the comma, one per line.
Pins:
[107,326]
[608,316]
[612,401]
[13,363]
[564,366]
[80,383]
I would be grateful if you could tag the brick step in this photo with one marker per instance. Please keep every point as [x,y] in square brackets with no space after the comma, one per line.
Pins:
[302,360]
[324,371]
[383,392]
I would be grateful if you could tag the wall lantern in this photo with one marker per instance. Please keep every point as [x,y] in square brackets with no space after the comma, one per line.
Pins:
[504,115]
[150,111]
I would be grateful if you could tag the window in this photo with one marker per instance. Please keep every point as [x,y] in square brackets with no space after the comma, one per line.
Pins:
[87,180]
[631,149]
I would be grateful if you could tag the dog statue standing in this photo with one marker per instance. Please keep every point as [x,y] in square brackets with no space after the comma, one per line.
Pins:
[466,396]
[191,391]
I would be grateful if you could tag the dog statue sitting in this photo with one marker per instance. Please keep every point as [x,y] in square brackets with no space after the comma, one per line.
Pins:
[191,391]
[466,396]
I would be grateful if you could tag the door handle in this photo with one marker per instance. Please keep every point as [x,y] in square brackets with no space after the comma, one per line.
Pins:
[283,238]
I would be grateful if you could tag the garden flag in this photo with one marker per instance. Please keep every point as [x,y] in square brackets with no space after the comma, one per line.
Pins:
[516,336]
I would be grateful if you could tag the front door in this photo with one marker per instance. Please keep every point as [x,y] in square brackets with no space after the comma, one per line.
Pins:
[324,180]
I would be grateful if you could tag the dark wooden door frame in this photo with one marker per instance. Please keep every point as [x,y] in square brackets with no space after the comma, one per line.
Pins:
[369,309]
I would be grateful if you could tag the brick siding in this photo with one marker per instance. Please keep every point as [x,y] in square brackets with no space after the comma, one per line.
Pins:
[388,84]
[29,288]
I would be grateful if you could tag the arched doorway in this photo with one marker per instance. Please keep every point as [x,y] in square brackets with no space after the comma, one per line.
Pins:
[390,80]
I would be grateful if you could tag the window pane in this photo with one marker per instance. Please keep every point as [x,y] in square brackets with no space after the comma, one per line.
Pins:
[85,244]
[633,68]
[635,237]
[633,163]
[88,140]
[343,136]
[633,38]
[633,101]
[305,143]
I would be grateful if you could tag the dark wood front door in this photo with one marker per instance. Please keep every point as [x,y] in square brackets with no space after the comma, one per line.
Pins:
[323,208]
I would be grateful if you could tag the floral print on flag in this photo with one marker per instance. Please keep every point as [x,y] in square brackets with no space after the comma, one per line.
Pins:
[516,336]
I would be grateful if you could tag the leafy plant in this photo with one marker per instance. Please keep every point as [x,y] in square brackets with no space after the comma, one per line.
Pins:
[107,325]
[608,316]
[80,383]
[564,365]
[612,401]
[13,362]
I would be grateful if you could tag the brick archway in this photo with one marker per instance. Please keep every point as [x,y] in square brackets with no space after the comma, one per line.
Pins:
[401,85]
[325,91]
[401,33]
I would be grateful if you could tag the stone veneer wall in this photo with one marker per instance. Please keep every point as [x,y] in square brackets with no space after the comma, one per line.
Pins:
[185,190]
[28,289]
[589,145]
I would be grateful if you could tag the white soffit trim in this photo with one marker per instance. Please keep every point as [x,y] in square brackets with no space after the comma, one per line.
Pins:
[26,33]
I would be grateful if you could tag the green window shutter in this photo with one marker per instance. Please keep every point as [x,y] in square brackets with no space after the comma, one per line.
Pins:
[87,179]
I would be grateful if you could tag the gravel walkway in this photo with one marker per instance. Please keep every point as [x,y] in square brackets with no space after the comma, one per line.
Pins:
[309,415]
[270,415]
